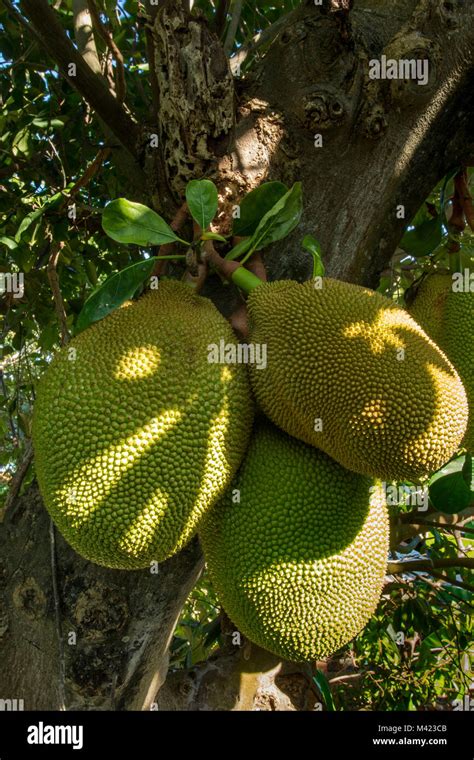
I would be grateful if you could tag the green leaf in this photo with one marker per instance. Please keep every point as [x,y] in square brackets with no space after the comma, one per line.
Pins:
[213,236]
[321,682]
[201,197]
[34,215]
[279,221]
[467,470]
[113,292]
[129,222]
[450,493]
[9,242]
[314,247]
[424,238]
[442,194]
[255,205]
[44,123]
[212,631]
[239,249]
[22,142]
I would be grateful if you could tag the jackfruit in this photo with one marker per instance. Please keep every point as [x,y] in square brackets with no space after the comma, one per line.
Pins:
[447,316]
[351,373]
[297,548]
[135,433]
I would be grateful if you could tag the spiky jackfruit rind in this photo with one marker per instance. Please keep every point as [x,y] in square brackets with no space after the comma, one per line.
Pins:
[135,433]
[351,373]
[297,549]
[447,315]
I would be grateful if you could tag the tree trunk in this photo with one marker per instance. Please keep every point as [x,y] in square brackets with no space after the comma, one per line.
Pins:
[385,144]
[77,636]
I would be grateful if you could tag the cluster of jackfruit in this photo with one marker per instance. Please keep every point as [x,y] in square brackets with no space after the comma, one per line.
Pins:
[139,438]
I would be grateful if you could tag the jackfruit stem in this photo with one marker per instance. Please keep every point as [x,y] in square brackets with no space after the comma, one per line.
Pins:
[245,280]
[231,270]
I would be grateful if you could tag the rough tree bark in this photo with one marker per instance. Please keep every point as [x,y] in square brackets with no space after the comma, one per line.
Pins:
[384,144]
[77,636]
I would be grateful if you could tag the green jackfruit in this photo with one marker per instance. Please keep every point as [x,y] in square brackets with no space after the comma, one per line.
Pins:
[351,373]
[135,433]
[298,559]
[448,318]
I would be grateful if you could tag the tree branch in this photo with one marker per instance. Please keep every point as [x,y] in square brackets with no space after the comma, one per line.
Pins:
[262,38]
[17,480]
[409,524]
[426,565]
[58,299]
[420,523]
[22,21]
[233,26]
[89,172]
[81,76]
[84,35]
[85,40]
[444,517]
[220,18]
[455,582]
[110,42]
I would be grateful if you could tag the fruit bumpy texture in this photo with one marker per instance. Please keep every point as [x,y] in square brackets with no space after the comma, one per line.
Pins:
[389,402]
[138,435]
[448,318]
[299,562]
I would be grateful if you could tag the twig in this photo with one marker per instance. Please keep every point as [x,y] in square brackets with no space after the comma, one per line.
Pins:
[21,20]
[426,565]
[22,58]
[61,166]
[110,42]
[233,26]
[167,249]
[90,171]
[57,615]
[256,266]
[346,677]
[224,266]
[17,479]
[262,38]
[414,516]
[451,581]
[89,84]
[58,299]
[197,270]
[443,526]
